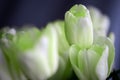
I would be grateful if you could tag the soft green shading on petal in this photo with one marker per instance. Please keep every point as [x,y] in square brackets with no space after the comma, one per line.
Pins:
[73,53]
[10,54]
[27,38]
[79,10]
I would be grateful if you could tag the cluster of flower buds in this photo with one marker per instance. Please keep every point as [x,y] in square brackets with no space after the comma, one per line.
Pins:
[78,43]
[91,56]
[31,52]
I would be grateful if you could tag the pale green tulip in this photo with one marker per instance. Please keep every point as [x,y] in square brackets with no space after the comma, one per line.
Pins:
[94,63]
[38,52]
[78,26]
[64,69]
[11,69]
[62,41]
[100,21]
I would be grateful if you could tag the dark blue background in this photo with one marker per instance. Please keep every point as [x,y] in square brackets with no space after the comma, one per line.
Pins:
[40,12]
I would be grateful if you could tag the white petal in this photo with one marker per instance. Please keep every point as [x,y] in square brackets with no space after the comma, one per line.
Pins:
[102,66]
[42,61]
[4,72]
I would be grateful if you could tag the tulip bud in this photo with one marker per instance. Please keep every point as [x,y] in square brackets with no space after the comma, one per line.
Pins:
[94,63]
[100,21]
[62,42]
[78,26]
[38,54]
[64,70]
[11,69]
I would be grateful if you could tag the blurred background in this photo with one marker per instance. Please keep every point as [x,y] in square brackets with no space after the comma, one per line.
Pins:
[39,12]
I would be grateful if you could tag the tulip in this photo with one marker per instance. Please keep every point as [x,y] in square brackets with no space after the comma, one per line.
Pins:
[100,21]
[78,26]
[62,41]
[64,70]
[10,69]
[94,63]
[38,52]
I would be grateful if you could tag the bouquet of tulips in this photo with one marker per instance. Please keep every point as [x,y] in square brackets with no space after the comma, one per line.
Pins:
[78,44]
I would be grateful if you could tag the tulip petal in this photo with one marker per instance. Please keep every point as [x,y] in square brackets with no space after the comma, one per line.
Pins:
[62,42]
[4,70]
[73,54]
[41,61]
[102,65]
[106,41]
[100,21]
[9,52]
[87,60]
